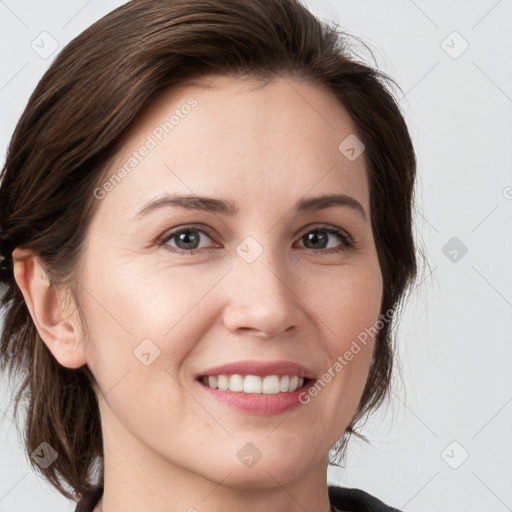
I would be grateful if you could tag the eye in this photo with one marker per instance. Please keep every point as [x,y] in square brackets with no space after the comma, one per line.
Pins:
[318,238]
[187,239]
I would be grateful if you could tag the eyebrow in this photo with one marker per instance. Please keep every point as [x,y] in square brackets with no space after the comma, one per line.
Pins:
[221,206]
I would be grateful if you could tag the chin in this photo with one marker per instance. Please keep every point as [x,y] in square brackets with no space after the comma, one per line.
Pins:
[262,476]
[278,467]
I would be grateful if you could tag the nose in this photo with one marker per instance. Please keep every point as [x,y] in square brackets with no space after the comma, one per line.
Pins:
[262,299]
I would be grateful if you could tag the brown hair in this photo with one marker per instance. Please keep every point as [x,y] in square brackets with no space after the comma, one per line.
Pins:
[72,126]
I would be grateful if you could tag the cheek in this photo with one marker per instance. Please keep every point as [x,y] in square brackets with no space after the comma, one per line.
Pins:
[346,304]
[346,309]
[141,314]
[142,324]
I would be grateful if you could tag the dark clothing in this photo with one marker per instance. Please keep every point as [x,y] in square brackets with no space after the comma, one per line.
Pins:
[343,499]
[346,499]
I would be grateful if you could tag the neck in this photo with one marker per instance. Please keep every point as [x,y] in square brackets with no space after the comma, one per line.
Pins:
[138,479]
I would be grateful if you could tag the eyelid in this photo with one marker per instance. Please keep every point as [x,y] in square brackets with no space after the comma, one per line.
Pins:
[168,235]
[326,227]
[348,242]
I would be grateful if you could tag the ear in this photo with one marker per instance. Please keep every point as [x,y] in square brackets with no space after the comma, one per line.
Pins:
[54,317]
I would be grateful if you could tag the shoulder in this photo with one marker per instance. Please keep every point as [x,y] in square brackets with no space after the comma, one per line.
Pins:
[356,500]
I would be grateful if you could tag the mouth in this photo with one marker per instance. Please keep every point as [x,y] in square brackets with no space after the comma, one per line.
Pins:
[257,387]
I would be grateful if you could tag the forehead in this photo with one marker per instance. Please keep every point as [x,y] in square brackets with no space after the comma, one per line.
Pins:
[235,137]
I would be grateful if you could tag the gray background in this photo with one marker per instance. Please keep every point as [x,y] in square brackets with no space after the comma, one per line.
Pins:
[455,341]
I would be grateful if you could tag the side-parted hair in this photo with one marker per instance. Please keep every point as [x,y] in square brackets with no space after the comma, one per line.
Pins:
[71,128]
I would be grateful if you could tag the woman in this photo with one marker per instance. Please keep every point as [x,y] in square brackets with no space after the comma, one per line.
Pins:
[206,220]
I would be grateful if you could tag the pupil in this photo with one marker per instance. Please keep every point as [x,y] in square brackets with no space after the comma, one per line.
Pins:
[186,237]
[315,237]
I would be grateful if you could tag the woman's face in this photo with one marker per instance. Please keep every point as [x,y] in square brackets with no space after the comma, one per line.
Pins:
[250,275]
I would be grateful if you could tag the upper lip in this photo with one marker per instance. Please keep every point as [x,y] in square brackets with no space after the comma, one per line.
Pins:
[260,368]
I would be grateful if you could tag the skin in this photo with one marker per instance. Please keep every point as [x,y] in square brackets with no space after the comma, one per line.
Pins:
[168,446]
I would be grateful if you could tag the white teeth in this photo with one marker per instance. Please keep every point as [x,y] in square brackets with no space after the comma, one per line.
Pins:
[285,383]
[223,382]
[269,385]
[252,384]
[236,383]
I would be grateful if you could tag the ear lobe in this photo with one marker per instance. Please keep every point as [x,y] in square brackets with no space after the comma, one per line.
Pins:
[52,316]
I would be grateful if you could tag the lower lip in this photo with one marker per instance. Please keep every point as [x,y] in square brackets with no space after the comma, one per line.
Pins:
[259,403]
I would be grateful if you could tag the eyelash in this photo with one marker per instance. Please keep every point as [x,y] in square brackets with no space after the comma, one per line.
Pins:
[348,243]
